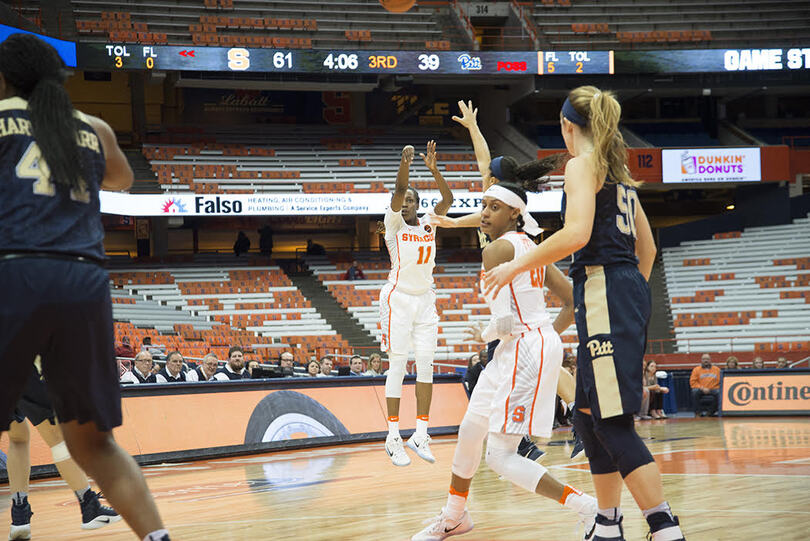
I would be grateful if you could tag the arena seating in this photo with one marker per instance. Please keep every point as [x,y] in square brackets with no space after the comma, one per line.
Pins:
[785,135]
[198,309]
[307,159]
[673,134]
[457,296]
[646,24]
[742,291]
[347,24]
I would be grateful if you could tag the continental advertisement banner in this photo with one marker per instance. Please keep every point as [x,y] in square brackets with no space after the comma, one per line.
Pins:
[188,420]
[766,392]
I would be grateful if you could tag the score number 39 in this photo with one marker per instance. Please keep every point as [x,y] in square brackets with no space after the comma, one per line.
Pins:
[428,62]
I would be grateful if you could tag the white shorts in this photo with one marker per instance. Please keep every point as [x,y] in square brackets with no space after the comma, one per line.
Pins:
[408,321]
[517,389]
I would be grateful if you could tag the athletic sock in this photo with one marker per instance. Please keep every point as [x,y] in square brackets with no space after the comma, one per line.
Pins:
[80,493]
[421,425]
[611,513]
[662,507]
[574,499]
[18,497]
[393,426]
[158,535]
[456,502]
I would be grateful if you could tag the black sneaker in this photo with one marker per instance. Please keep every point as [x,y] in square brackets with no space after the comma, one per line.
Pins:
[664,526]
[20,520]
[528,449]
[615,528]
[95,515]
[579,447]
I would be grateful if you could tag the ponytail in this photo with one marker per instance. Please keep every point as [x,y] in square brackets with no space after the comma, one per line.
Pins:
[36,72]
[530,176]
[603,112]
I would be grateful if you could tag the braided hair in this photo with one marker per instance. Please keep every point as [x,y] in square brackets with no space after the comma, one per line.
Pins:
[36,72]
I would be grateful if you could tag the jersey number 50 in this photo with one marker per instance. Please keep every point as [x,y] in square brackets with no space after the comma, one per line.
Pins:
[32,165]
[627,201]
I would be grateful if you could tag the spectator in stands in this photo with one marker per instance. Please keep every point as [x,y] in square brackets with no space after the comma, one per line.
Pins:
[326,366]
[705,382]
[474,370]
[652,402]
[570,363]
[732,363]
[206,370]
[125,349]
[242,244]
[251,365]
[235,368]
[374,365]
[266,240]
[172,371]
[313,248]
[356,365]
[156,350]
[758,364]
[354,272]
[142,372]
[286,364]
[781,362]
[313,369]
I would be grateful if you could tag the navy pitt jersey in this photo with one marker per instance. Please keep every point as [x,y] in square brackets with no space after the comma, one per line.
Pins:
[613,238]
[37,215]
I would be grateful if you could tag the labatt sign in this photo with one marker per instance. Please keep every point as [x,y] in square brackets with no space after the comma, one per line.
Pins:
[766,393]
[711,165]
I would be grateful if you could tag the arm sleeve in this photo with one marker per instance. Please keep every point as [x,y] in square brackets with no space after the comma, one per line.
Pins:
[393,222]
[500,324]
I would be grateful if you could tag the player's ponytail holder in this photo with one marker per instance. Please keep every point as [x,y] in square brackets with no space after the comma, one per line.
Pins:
[570,114]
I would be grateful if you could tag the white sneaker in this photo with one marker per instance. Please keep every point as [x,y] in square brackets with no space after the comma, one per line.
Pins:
[421,446]
[395,450]
[442,527]
[587,516]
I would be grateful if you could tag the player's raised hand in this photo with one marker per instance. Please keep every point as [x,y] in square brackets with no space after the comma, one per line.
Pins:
[437,220]
[407,154]
[430,157]
[474,333]
[469,114]
[495,279]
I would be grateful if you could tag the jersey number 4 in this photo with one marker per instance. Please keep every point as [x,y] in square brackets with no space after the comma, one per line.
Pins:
[32,165]
[424,255]
[627,201]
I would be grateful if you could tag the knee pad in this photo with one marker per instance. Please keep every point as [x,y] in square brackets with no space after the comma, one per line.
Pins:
[599,459]
[424,368]
[60,452]
[471,435]
[503,459]
[618,436]
[396,373]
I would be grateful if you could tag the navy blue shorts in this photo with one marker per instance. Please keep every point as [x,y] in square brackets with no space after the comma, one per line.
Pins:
[35,403]
[60,310]
[612,308]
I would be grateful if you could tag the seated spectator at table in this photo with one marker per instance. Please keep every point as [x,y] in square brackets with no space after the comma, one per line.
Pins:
[374,365]
[286,364]
[356,365]
[326,366]
[354,272]
[124,349]
[206,370]
[251,365]
[705,382]
[781,362]
[475,365]
[652,402]
[732,363]
[242,244]
[758,363]
[142,371]
[235,367]
[172,371]
[313,369]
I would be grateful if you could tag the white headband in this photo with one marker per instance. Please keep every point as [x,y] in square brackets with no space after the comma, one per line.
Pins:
[512,199]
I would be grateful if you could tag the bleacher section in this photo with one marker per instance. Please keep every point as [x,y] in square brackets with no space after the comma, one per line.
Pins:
[307,159]
[201,309]
[785,135]
[650,24]
[673,134]
[742,291]
[457,297]
[355,24]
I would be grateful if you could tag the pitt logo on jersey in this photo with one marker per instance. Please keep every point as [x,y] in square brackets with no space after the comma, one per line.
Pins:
[599,348]
[410,237]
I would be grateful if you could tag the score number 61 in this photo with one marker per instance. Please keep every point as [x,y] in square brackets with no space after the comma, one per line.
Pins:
[239,59]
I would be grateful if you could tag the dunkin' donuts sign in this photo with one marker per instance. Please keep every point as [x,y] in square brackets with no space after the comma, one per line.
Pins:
[711,165]
[766,392]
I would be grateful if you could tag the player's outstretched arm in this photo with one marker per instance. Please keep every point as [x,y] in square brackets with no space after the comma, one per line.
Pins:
[447,196]
[118,174]
[559,284]
[468,119]
[403,176]
[468,220]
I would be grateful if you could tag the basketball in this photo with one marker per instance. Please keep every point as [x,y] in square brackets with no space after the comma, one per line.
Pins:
[397,6]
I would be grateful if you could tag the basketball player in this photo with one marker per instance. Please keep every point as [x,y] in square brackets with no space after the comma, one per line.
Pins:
[408,304]
[56,294]
[516,392]
[608,233]
[36,405]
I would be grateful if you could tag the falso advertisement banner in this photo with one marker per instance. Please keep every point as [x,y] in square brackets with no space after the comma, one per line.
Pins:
[682,165]
[292,204]
[766,392]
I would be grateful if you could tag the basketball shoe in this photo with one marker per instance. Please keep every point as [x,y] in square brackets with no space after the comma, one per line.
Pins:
[664,527]
[442,526]
[421,446]
[95,515]
[606,529]
[528,449]
[20,520]
[395,450]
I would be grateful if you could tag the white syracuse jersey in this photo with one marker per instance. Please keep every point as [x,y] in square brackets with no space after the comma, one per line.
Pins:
[527,301]
[413,253]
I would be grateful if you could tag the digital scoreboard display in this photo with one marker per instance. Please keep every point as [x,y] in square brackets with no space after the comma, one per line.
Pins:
[92,56]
